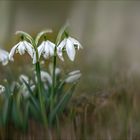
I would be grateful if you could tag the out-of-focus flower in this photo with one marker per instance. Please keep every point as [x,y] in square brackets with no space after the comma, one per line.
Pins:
[4,57]
[25,92]
[57,70]
[74,72]
[23,88]
[2,89]
[23,78]
[21,48]
[46,49]
[73,76]
[46,77]
[70,44]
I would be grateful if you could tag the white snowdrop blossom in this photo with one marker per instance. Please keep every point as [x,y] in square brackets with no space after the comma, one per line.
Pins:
[25,92]
[23,88]
[2,89]
[23,78]
[46,49]
[57,70]
[73,76]
[46,77]
[21,48]
[74,72]
[4,57]
[70,44]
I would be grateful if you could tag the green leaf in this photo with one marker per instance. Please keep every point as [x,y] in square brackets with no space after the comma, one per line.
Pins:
[15,114]
[31,95]
[39,35]
[6,109]
[62,30]
[26,115]
[8,90]
[34,112]
[62,103]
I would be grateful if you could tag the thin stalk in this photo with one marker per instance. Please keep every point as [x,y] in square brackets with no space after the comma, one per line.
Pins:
[39,84]
[53,81]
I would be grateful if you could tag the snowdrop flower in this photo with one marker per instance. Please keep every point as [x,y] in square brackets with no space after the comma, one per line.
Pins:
[21,48]
[46,49]
[70,44]
[2,89]
[74,72]
[4,57]
[23,78]
[25,92]
[23,88]
[45,77]
[57,70]
[73,76]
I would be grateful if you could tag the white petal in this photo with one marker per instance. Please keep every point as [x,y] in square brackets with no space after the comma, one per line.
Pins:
[51,48]
[76,42]
[34,58]
[3,52]
[21,48]
[29,48]
[12,52]
[51,44]
[60,54]
[70,50]
[41,48]
[45,76]
[4,57]
[32,87]
[57,71]
[60,49]
[23,78]
[46,50]
[2,89]
[74,72]
[73,78]
[62,44]
[5,62]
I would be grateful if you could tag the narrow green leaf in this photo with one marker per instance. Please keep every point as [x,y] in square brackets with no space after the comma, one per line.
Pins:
[15,115]
[6,109]
[26,115]
[62,103]
[62,30]
[31,95]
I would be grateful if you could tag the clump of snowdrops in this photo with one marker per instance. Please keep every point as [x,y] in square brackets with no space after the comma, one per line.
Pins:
[45,96]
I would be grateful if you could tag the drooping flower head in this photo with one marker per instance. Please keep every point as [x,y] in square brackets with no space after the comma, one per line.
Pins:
[23,78]
[46,49]
[70,45]
[73,76]
[4,57]
[21,47]
[23,88]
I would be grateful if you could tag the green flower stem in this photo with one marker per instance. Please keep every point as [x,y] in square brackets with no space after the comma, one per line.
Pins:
[53,81]
[39,84]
